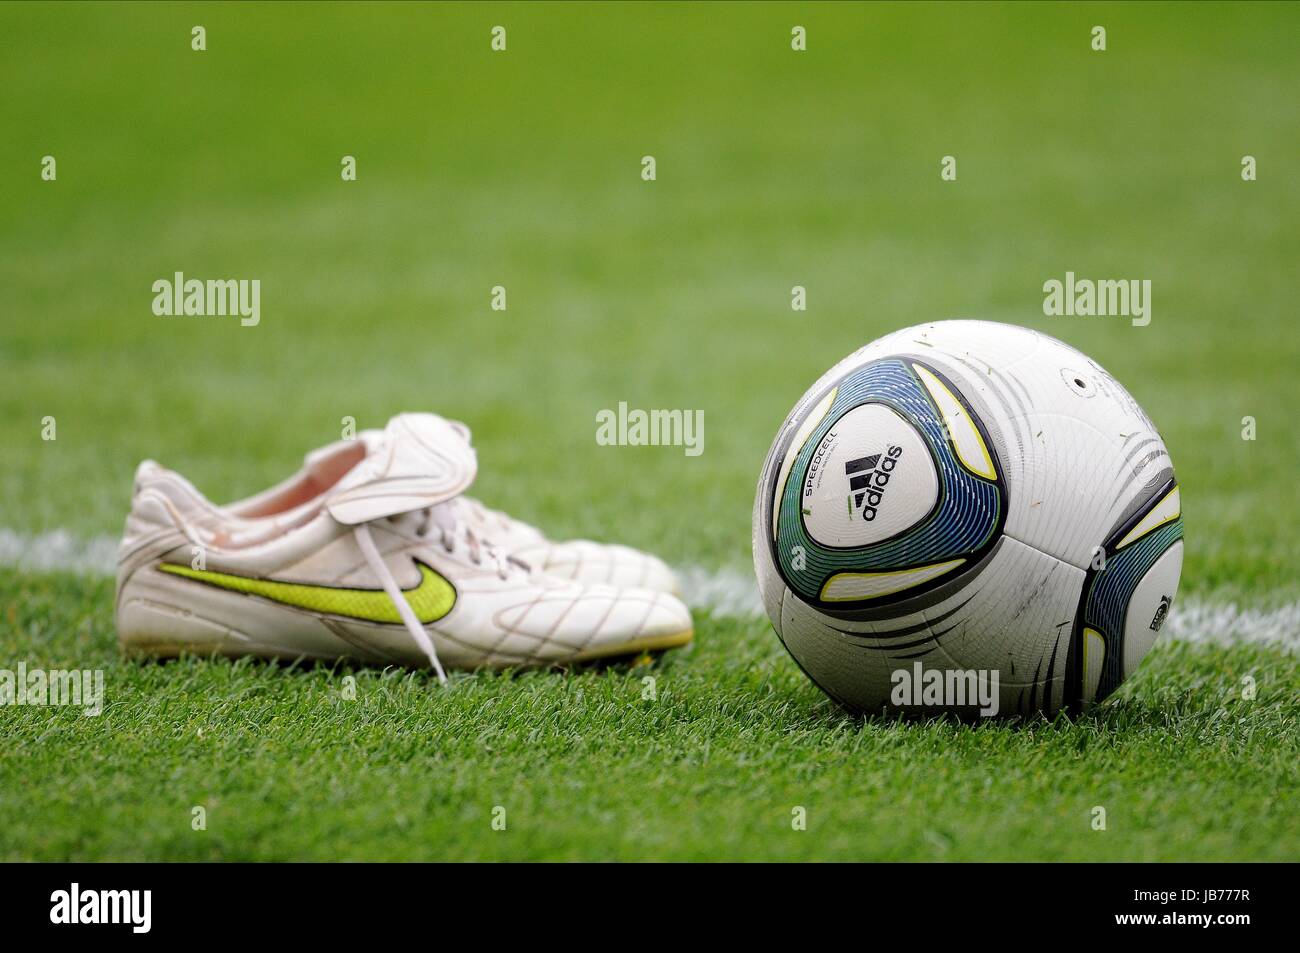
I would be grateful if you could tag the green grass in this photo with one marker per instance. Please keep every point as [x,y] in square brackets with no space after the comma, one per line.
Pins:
[522,169]
[586,767]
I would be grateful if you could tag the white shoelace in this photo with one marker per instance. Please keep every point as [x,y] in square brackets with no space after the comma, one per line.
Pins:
[453,532]
[380,569]
[486,518]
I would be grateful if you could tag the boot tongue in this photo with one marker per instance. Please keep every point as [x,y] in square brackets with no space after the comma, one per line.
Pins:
[418,460]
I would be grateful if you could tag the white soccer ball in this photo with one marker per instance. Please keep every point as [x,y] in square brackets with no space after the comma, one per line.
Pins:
[967,516]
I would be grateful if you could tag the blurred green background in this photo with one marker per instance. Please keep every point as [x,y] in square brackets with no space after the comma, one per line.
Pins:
[775,168]
[522,168]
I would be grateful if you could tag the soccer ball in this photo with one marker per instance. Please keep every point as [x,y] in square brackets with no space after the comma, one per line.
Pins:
[967,516]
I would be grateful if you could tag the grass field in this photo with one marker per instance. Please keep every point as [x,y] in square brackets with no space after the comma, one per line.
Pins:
[522,169]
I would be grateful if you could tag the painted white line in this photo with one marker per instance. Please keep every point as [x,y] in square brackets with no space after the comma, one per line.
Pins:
[734,594]
[727,593]
[58,550]
[1226,623]
[723,592]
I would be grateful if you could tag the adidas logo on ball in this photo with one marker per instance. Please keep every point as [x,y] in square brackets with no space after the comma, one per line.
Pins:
[867,479]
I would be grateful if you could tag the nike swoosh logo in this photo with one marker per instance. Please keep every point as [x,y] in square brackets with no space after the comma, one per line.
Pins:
[431,599]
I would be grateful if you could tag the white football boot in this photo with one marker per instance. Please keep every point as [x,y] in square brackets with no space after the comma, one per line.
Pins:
[366,554]
[580,560]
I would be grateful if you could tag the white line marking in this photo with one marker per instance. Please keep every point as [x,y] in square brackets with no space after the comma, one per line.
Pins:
[58,550]
[732,593]
[1226,623]
[727,593]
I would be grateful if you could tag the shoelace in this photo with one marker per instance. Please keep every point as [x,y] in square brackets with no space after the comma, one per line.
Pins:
[452,531]
[485,517]
[380,569]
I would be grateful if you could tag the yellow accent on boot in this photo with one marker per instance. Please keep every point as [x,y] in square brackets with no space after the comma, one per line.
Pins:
[432,599]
